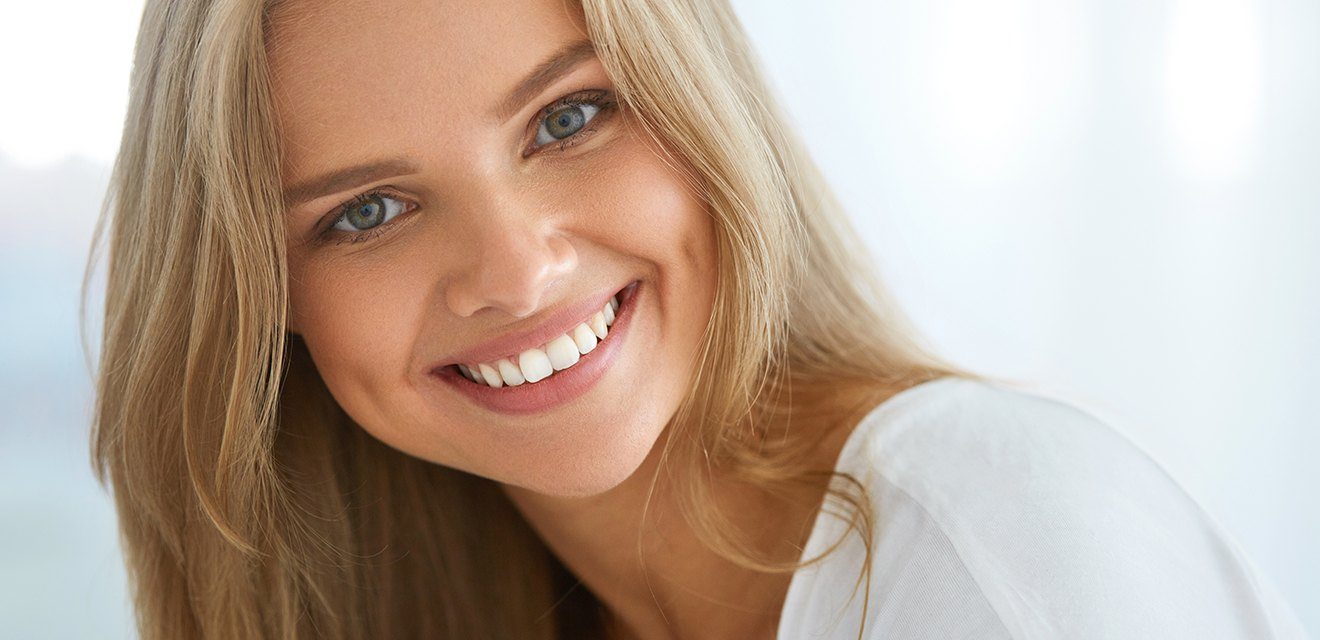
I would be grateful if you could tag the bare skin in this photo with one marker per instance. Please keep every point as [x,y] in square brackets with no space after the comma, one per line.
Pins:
[677,587]
[490,232]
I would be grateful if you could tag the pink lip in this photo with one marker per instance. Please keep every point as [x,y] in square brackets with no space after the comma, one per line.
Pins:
[512,344]
[562,386]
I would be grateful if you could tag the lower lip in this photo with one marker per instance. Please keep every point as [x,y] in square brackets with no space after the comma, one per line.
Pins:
[561,387]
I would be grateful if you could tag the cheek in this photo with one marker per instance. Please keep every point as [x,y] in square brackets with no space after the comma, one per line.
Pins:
[655,212]
[355,321]
[658,219]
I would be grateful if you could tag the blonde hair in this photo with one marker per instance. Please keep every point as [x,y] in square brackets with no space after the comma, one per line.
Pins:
[249,503]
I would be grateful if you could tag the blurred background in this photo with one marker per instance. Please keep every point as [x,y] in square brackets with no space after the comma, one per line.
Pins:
[1114,200]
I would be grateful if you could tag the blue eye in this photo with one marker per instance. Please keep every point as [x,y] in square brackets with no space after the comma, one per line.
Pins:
[367,211]
[565,122]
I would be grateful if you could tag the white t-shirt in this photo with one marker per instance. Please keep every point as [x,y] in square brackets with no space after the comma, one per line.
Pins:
[1004,514]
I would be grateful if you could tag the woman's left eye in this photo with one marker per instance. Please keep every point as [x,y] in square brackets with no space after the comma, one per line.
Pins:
[566,120]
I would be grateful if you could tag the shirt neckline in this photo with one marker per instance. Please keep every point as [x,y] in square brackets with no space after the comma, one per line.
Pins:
[881,412]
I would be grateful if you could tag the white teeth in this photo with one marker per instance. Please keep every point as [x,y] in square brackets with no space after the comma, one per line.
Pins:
[510,372]
[584,339]
[535,365]
[491,376]
[597,324]
[563,353]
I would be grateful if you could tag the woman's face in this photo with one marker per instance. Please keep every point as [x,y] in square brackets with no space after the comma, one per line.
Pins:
[453,199]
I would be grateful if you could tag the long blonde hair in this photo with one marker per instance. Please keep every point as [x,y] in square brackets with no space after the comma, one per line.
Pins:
[251,506]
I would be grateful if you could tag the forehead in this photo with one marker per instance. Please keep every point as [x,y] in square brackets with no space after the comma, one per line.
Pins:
[377,74]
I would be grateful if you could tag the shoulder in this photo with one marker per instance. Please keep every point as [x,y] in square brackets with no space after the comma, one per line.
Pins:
[1066,527]
[956,442]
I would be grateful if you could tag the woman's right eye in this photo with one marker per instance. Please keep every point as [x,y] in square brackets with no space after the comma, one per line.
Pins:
[368,211]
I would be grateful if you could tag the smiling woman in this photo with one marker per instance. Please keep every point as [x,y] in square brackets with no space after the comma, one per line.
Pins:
[532,319]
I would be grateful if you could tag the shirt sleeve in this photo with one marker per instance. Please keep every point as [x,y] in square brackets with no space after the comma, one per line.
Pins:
[1070,530]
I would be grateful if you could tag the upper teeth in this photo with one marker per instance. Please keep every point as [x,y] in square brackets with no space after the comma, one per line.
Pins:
[535,365]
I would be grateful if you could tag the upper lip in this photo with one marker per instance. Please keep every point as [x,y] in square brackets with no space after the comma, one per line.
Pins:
[549,327]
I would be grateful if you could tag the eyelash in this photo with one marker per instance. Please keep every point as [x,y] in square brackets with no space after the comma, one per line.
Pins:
[599,98]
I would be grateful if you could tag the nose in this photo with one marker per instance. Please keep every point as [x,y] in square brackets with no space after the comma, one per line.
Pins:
[513,257]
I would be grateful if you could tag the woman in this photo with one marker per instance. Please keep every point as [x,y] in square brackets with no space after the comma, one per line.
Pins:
[534,320]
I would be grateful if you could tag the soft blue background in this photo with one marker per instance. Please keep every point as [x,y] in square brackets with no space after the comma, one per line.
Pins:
[1116,199]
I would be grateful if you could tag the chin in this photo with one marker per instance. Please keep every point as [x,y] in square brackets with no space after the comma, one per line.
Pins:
[593,465]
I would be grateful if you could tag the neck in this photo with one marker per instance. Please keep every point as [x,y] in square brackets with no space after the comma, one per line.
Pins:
[655,576]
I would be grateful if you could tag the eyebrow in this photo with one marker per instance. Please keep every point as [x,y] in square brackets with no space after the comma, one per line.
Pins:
[554,67]
[343,179]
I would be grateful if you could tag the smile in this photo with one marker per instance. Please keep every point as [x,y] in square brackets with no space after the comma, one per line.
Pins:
[537,364]
[553,373]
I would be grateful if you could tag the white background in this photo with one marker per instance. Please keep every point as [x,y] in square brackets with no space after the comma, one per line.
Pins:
[1116,200]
